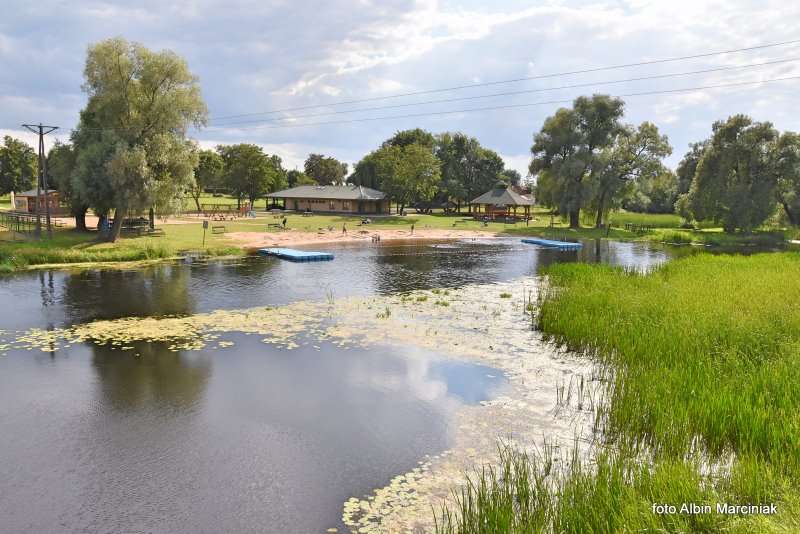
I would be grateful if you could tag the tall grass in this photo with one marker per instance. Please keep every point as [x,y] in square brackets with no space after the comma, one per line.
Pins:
[541,492]
[702,403]
[730,322]
[764,239]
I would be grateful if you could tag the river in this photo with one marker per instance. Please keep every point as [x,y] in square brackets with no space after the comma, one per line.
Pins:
[253,438]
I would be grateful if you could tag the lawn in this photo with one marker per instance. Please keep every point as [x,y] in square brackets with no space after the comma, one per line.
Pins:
[69,246]
[702,360]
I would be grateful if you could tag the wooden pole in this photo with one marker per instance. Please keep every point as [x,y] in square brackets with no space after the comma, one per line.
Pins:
[41,179]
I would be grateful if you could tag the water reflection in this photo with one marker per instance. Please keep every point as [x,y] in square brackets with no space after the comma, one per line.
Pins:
[150,375]
[183,288]
[252,438]
[112,293]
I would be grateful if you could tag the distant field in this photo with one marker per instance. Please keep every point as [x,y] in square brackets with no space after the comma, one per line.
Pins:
[659,220]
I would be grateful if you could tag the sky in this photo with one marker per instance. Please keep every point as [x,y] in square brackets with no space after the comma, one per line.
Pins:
[255,56]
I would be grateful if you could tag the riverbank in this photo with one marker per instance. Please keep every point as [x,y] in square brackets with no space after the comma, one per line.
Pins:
[700,403]
[289,238]
[244,235]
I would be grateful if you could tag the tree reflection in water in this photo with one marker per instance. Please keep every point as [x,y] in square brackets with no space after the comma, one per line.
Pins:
[150,375]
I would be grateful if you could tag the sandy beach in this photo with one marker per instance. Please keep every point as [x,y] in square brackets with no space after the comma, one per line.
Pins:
[289,238]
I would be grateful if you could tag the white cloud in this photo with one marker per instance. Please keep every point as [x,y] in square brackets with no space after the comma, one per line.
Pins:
[402,36]
[518,162]
[384,85]
[254,56]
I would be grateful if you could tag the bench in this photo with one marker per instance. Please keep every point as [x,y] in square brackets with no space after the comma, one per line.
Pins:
[274,225]
[217,229]
[308,214]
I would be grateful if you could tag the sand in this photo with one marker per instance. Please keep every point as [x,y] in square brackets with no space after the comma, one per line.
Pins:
[289,238]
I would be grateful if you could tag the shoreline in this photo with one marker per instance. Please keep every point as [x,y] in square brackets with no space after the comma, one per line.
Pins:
[256,240]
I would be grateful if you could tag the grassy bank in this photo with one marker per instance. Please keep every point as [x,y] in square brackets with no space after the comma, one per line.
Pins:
[703,357]
[71,247]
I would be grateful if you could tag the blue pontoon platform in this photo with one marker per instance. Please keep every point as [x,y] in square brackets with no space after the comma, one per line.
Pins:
[295,255]
[551,243]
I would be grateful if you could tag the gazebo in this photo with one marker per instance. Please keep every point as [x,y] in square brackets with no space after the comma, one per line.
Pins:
[501,202]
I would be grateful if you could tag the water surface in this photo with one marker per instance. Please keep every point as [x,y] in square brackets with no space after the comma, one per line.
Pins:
[251,438]
[58,298]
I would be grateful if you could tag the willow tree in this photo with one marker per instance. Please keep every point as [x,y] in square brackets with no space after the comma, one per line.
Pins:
[636,155]
[788,174]
[141,104]
[571,150]
[736,178]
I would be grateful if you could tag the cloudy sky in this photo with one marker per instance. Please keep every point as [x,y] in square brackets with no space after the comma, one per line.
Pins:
[255,56]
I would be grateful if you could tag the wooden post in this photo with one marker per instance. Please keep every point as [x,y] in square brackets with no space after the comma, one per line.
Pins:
[41,179]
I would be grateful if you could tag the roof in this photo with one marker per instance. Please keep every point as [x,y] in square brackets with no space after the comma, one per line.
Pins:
[330,192]
[504,197]
[32,193]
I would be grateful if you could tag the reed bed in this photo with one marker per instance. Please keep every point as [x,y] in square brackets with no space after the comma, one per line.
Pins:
[701,402]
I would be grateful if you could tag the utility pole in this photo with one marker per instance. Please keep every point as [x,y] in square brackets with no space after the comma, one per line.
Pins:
[41,181]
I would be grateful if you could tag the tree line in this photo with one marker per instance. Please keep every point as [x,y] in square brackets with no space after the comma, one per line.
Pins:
[420,169]
[586,158]
[130,154]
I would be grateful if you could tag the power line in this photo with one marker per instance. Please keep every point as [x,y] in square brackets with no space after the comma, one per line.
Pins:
[515,106]
[511,93]
[515,80]
[41,180]
[492,95]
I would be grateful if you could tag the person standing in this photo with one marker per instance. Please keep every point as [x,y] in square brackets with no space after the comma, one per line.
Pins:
[412,228]
[344,229]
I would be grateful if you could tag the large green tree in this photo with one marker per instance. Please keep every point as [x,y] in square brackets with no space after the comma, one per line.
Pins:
[295,178]
[688,166]
[249,172]
[468,169]
[140,106]
[207,174]
[418,136]
[569,152]
[18,166]
[409,174]
[61,166]
[736,177]
[636,154]
[654,194]
[325,170]
[787,166]
[365,173]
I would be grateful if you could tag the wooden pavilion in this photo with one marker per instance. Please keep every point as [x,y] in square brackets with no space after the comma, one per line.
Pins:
[502,202]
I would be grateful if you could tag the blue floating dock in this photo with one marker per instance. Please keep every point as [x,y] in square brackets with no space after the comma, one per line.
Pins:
[551,243]
[295,255]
